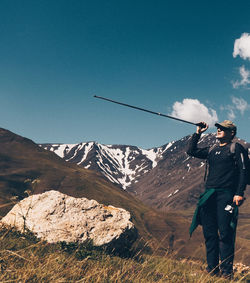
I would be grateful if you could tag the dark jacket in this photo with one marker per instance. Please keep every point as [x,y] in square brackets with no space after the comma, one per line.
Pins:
[226,170]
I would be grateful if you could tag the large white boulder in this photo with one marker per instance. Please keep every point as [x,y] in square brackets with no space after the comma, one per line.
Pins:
[54,217]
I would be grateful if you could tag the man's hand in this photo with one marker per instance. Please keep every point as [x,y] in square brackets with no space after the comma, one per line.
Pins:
[200,130]
[238,200]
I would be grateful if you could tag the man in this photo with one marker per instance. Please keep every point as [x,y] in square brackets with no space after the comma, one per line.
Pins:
[224,188]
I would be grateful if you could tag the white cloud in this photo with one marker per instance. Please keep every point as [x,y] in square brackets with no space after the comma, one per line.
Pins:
[230,111]
[231,115]
[245,78]
[240,104]
[194,111]
[242,46]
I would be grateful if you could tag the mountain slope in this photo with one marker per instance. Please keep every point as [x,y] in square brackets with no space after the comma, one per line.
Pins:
[23,162]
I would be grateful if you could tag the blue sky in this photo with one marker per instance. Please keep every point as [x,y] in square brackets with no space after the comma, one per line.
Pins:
[190,59]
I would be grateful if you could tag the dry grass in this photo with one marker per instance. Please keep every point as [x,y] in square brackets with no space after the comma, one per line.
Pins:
[24,259]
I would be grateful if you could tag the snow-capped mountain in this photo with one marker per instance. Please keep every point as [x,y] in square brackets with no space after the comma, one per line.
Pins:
[162,177]
[121,164]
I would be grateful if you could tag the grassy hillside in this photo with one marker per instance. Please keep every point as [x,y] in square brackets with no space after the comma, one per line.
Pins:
[24,259]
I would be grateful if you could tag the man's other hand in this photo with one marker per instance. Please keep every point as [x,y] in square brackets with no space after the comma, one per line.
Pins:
[238,200]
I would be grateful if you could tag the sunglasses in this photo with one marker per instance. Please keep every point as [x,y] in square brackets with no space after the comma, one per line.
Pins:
[223,130]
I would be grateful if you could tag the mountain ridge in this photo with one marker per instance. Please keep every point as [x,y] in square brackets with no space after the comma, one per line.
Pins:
[156,176]
[29,169]
[121,164]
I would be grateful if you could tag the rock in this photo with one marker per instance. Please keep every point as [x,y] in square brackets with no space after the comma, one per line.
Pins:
[54,217]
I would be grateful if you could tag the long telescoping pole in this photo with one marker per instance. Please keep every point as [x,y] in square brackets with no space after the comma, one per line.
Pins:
[149,111]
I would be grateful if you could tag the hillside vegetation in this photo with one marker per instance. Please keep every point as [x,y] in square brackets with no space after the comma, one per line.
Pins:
[24,259]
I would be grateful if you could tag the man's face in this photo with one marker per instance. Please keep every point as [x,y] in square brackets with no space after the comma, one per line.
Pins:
[224,134]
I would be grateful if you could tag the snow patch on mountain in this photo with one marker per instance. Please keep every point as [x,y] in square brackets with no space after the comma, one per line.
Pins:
[61,150]
[88,147]
[120,164]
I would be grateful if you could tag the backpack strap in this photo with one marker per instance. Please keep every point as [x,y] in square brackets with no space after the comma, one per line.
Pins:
[244,158]
[232,147]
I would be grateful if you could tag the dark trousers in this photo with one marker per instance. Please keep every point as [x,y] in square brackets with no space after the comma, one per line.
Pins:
[219,236]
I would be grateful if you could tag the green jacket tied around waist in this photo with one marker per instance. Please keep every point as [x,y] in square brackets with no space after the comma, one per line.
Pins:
[202,200]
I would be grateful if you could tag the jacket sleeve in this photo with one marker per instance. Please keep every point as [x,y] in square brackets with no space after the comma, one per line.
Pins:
[193,150]
[241,159]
